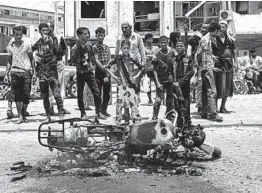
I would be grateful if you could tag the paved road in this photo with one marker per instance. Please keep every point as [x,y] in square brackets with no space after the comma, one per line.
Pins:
[245,110]
[238,170]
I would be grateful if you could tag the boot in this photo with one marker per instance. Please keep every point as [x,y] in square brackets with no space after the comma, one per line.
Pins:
[155,112]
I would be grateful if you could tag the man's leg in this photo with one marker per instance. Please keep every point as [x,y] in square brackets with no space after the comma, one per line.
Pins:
[11,99]
[51,101]
[26,93]
[55,87]
[199,94]
[106,97]
[169,97]
[62,81]
[158,100]
[91,82]
[209,84]
[44,88]
[17,85]
[80,90]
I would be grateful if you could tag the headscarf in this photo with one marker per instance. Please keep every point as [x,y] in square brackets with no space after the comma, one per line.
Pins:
[230,37]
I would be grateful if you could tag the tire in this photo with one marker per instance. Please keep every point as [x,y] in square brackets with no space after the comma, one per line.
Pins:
[239,87]
[72,91]
[4,90]
[217,152]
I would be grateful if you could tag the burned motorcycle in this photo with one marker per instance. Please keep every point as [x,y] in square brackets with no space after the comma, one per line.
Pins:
[164,135]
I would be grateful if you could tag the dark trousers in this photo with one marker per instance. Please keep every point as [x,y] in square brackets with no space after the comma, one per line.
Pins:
[21,86]
[105,88]
[89,79]
[54,85]
[169,96]
[208,93]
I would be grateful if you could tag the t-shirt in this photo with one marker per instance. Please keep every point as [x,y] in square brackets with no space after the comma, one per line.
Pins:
[20,58]
[163,65]
[150,52]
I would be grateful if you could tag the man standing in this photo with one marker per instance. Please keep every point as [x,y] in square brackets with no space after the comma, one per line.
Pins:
[206,67]
[19,69]
[47,64]
[163,76]
[137,51]
[11,97]
[183,72]
[224,49]
[102,56]
[203,31]
[62,49]
[84,59]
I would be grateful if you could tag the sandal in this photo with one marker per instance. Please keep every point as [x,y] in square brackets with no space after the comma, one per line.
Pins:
[9,114]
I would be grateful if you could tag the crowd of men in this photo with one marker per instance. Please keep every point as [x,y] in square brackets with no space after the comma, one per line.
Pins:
[204,61]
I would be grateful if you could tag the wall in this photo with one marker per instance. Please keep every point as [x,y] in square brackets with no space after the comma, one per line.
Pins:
[254,6]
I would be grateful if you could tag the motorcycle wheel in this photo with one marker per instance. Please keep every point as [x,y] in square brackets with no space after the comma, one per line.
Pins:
[239,87]
[72,90]
[217,152]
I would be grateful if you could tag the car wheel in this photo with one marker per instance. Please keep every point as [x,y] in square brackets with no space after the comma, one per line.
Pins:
[72,91]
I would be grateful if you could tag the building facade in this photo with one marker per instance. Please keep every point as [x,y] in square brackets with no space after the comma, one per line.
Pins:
[11,16]
[163,17]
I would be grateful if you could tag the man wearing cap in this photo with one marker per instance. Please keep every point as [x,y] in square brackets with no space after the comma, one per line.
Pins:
[205,58]
[137,50]
[224,48]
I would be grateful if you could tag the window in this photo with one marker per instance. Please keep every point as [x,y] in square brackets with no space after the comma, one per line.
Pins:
[49,17]
[240,7]
[18,13]
[6,12]
[92,9]
[208,12]
[24,14]
[146,17]
[59,18]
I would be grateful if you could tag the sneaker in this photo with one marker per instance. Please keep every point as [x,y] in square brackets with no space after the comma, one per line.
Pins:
[66,111]
[101,116]
[199,110]
[215,118]
[125,123]
[154,118]
[106,114]
[9,114]
[88,108]
[150,103]
[27,114]
[223,110]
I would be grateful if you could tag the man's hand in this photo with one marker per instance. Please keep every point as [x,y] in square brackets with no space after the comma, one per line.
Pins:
[159,86]
[106,80]
[34,78]
[7,79]
[118,80]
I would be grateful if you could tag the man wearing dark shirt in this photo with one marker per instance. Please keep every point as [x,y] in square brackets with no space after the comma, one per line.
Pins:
[62,49]
[84,60]
[163,76]
[47,69]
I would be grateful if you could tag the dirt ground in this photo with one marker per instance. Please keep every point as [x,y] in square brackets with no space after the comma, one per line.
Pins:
[238,170]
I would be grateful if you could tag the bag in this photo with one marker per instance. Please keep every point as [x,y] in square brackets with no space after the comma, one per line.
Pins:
[145,84]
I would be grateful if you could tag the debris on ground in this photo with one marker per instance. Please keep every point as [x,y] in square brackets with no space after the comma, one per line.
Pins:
[19,170]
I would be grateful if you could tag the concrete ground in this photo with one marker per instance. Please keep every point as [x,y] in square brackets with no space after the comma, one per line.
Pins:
[238,170]
[244,110]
